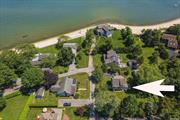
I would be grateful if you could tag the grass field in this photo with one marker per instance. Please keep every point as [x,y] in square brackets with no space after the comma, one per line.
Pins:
[83,80]
[83,62]
[32,115]
[14,107]
[69,111]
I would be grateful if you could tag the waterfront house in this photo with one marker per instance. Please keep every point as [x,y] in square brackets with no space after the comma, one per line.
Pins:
[65,87]
[40,92]
[170,41]
[37,60]
[119,83]
[50,114]
[104,30]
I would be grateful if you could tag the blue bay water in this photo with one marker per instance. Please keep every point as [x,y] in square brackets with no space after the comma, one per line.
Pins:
[31,20]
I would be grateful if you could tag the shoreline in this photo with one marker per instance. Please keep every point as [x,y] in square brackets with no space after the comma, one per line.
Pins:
[136,29]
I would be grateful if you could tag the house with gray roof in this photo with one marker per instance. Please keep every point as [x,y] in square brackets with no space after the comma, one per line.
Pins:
[111,57]
[40,92]
[119,83]
[65,87]
[104,30]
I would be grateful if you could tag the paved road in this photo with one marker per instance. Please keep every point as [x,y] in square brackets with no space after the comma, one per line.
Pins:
[74,102]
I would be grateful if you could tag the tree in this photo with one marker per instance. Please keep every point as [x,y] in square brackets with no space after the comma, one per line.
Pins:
[17,61]
[163,52]
[27,50]
[129,106]
[106,103]
[151,38]
[105,47]
[32,77]
[2,103]
[130,40]
[126,32]
[154,58]
[97,74]
[83,111]
[65,57]
[7,76]
[175,29]
[50,78]
[49,62]
[134,51]
[146,74]
[113,68]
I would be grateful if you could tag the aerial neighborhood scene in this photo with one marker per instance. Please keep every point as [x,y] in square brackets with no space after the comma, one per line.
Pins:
[94,72]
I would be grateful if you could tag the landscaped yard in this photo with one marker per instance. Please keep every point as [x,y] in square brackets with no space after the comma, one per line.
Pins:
[83,83]
[83,62]
[97,60]
[32,115]
[60,69]
[14,107]
[49,99]
[69,111]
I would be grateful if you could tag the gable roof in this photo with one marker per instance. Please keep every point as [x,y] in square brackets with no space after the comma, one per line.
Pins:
[171,40]
[119,81]
[111,56]
[67,85]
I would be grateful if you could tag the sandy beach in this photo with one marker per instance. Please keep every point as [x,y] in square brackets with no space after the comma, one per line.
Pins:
[82,32]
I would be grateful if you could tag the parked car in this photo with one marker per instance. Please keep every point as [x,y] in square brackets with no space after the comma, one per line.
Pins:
[67,104]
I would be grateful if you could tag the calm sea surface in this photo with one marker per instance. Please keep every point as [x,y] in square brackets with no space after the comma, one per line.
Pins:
[30,20]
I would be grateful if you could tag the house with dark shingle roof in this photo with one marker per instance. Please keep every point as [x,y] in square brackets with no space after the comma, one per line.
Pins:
[111,57]
[119,83]
[170,41]
[104,30]
[65,87]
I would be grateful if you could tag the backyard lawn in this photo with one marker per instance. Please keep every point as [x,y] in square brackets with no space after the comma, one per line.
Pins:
[97,60]
[83,62]
[49,99]
[14,107]
[32,115]
[69,111]
[83,83]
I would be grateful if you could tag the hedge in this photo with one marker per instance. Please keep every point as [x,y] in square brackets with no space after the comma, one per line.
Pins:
[26,109]
[17,93]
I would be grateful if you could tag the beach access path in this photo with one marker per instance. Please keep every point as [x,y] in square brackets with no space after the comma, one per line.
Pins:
[82,32]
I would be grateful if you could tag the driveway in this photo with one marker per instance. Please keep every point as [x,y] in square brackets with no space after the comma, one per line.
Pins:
[74,102]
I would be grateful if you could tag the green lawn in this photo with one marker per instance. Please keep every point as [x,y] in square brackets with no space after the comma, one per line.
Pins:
[14,107]
[32,115]
[69,111]
[76,40]
[60,69]
[83,62]
[49,99]
[83,80]
[97,60]
[49,49]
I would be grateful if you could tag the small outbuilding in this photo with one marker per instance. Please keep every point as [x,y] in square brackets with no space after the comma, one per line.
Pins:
[40,92]
[37,60]
[133,64]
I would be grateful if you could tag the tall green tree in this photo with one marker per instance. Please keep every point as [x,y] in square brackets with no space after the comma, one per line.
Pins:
[175,29]
[32,77]
[151,38]
[129,106]
[65,57]
[163,52]
[106,103]
[7,76]
[154,58]
[97,74]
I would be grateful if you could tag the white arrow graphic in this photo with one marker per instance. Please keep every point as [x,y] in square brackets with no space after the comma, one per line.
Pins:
[155,87]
